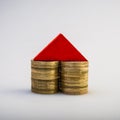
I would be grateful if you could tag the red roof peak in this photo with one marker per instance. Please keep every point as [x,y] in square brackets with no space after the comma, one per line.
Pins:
[60,34]
[60,49]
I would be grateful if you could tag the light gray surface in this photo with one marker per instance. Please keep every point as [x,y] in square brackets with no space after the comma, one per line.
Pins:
[27,26]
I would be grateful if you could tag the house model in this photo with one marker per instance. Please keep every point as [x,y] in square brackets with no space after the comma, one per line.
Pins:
[59,67]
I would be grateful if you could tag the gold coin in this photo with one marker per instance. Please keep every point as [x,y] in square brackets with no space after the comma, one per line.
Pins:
[75,91]
[76,88]
[81,86]
[74,79]
[44,91]
[78,78]
[65,91]
[44,77]
[44,82]
[44,87]
[44,72]
[74,63]
[73,70]
[75,83]
[49,87]
[74,76]
[44,64]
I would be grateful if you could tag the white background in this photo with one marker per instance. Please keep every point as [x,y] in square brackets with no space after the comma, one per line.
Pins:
[27,26]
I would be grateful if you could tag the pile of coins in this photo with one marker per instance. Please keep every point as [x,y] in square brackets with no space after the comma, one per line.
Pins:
[70,77]
[74,77]
[44,76]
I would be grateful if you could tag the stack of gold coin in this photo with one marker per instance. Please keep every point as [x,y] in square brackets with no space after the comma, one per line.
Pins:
[44,76]
[74,77]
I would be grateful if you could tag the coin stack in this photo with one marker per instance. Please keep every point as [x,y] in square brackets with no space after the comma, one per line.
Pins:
[44,76]
[74,77]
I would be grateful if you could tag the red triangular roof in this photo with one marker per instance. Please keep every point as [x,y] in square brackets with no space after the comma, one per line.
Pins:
[60,49]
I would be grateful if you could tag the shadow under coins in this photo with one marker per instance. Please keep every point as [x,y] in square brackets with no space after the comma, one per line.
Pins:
[28,93]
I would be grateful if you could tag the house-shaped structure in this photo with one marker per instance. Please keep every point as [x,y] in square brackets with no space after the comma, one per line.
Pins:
[59,66]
